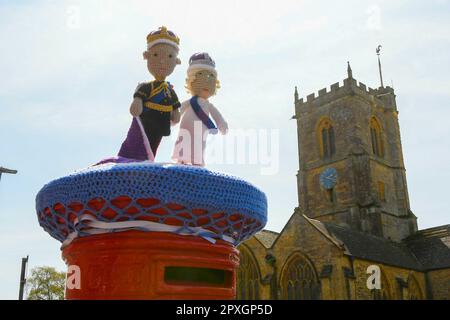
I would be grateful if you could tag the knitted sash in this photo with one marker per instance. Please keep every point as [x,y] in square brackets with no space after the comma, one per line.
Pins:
[202,115]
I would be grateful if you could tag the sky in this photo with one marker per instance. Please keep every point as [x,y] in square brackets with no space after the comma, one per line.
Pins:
[68,70]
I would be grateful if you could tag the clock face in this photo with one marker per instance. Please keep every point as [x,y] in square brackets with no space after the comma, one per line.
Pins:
[328,178]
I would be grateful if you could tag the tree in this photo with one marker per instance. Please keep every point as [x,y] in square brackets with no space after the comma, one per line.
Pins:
[46,283]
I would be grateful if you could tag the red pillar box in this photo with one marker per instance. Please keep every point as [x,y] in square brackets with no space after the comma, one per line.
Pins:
[175,238]
[146,265]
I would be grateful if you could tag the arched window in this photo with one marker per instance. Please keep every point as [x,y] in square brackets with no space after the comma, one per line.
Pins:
[247,277]
[299,280]
[376,137]
[326,139]
[414,292]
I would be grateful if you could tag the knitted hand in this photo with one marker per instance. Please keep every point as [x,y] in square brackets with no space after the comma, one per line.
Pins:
[223,127]
[136,107]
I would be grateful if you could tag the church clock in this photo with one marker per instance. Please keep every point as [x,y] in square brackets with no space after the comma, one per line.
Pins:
[328,178]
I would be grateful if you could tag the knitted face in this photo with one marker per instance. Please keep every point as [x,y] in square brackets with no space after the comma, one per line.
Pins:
[203,84]
[161,60]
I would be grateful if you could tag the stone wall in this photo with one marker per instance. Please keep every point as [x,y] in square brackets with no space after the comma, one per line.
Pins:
[394,281]
[439,284]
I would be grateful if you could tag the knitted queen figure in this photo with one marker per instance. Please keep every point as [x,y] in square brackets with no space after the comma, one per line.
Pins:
[195,123]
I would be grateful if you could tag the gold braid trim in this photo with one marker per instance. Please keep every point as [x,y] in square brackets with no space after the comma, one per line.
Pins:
[158,107]
[163,86]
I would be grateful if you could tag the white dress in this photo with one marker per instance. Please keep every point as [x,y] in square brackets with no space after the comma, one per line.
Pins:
[190,144]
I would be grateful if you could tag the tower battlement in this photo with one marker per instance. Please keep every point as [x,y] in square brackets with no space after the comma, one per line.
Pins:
[383,96]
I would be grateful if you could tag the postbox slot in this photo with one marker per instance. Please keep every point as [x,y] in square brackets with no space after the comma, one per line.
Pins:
[192,276]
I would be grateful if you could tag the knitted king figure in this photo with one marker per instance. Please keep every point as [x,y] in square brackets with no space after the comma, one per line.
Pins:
[195,123]
[155,103]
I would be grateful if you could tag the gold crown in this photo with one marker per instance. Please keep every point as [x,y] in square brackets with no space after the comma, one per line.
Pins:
[162,33]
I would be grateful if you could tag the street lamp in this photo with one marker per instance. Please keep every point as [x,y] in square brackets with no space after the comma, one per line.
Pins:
[23,275]
[24,260]
[5,170]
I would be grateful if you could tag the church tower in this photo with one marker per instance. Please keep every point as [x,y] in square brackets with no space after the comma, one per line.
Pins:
[351,169]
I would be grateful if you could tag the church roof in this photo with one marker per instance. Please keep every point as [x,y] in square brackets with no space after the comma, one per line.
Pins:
[266,237]
[373,248]
[427,249]
[431,247]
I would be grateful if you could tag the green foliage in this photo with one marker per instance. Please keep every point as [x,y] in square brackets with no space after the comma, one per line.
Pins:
[45,283]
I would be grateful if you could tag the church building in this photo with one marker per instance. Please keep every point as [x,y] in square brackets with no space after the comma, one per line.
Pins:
[353,234]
